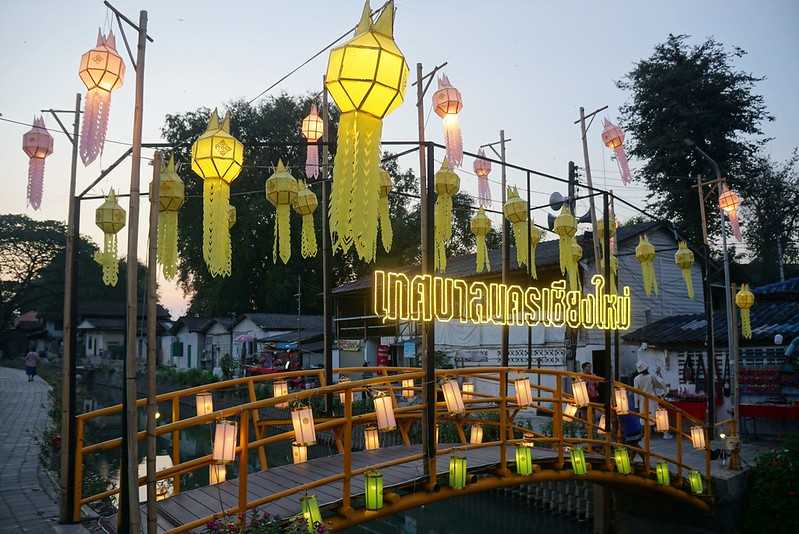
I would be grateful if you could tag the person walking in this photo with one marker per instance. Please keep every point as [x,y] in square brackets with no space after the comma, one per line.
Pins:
[31,361]
[648,383]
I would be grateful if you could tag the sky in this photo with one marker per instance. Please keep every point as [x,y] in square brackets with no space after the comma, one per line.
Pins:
[523,67]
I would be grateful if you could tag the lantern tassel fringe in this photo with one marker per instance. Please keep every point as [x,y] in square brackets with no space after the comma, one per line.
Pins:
[483,261]
[282,242]
[95,124]
[108,260]
[746,324]
[650,278]
[309,248]
[216,235]
[386,231]
[520,237]
[443,230]
[624,165]
[453,140]
[167,244]
[483,192]
[312,161]
[689,282]
[35,182]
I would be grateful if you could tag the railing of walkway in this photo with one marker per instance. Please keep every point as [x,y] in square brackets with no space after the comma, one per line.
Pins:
[550,394]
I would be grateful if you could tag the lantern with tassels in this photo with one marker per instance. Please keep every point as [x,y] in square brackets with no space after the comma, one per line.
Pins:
[386,231]
[566,226]
[645,254]
[515,210]
[481,225]
[729,202]
[447,184]
[101,71]
[613,138]
[281,191]
[366,77]
[577,255]
[217,157]
[745,299]
[447,103]
[535,237]
[170,198]
[482,168]
[312,129]
[305,205]
[110,218]
[684,259]
[37,144]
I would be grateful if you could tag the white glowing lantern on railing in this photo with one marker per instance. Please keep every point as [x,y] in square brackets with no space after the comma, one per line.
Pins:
[476,434]
[303,423]
[601,424]
[299,453]
[453,398]
[371,438]
[468,391]
[524,392]
[384,411]
[622,406]
[569,411]
[662,420]
[407,388]
[580,392]
[225,434]
[205,403]
[342,394]
[698,437]
[280,388]
[217,473]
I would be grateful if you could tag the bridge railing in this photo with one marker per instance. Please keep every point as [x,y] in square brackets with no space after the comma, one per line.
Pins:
[499,411]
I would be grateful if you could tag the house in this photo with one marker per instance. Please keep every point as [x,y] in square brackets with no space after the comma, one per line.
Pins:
[253,331]
[34,330]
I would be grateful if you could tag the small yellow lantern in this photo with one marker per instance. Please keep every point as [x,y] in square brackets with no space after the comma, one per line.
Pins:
[303,423]
[447,184]
[622,406]
[577,459]
[698,437]
[386,231]
[663,476]
[305,205]
[569,411]
[279,389]
[515,210]
[695,480]
[110,218]
[458,470]
[225,435]
[299,453]
[645,254]
[468,391]
[170,198]
[566,226]
[524,460]
[371,438]
[662,420]
[481,226]
[684,258]
[745,299]
[580,392]
[373,490]
[384,410]
[342,394]
[524,393]
[217,473]
[453,398]
[205,403]
[281,192]
[407,388]
[309,507]
[622,458]
[476,434]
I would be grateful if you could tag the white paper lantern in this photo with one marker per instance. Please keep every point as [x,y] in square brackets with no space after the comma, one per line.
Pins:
[453,397]
[303,423]
[225,434]
[384,410]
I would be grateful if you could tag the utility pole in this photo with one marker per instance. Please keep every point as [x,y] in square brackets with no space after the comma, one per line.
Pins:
[505,342]
[530,267]
[583,132]
[327,253]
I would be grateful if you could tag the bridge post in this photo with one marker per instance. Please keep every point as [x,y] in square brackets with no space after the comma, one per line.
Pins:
[346,483]
[244,430]
[678,424]
[176,482]
[503,422]
[557,419]
[428,328]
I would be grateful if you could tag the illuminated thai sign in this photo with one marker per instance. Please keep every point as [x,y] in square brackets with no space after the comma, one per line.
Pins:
[428,298]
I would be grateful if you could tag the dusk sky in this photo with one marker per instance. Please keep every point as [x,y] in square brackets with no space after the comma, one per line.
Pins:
[525,67]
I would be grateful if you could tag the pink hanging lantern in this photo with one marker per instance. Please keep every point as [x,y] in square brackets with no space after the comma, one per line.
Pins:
[447,103]
[312,128]
[729,201]
[482,168]
[37,144]
[101,71]
[613,138]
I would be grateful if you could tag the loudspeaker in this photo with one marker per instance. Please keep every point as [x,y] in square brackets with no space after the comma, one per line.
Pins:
[585,218]
[556,201]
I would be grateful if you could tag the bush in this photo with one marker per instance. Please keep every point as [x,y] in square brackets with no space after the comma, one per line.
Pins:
[773,491]
[187,378]
[261,523]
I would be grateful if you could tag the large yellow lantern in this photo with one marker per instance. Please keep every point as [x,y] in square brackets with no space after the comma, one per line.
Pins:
[481,225]
[684,259]
[515,210]
[447,184]
[566,226]
[225,435]
[453,397]
[645,254]
[366,77]
[171,195]
[384,411]
[217,157]
[577,255]
[303,424]
[305,205]
[745,299]
[386,231]
[281,191]
[110,218]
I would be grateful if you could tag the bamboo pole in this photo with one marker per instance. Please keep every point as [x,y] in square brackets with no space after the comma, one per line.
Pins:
[557,419]
[176,482]
[346,486]
[244,457]
[256,417]
[503,422]
[78,490]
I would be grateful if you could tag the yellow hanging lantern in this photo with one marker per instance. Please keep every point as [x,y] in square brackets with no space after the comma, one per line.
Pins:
[110,218]
[281,191]
[614,262]
[366,77]
[535,237]
[684,259]
[566,226]
[217,157]
[447,184]
[577,255]
[515,210]
[481,225]
[171,195]
[386,231]
[305,205]
[745,299]
[645,254]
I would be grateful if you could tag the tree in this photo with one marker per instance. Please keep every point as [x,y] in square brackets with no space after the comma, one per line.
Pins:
[695,92]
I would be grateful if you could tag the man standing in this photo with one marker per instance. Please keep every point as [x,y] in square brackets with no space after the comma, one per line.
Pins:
[31,361]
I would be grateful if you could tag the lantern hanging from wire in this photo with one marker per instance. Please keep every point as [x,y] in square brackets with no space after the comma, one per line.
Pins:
[698,437]
[217,473]
[481,226]
[695,481]
[217,157]
[305,204]
[662,420]
[613,138]
[312,129]
[204,402]
[280,388]
[566,226]
[447,184]
[577,255]
[373,490]
[384,411]
[447,103]
[407,388]
[729,202]
[524,392]
[645,254]
[476,434]
[684,258]
[101,71]
[535,237]
[452,397]
[281,192]
[225,435]
[524,460]
[622,459]
[309,507]
[482,168]
[171,196]
[577,459]
[745,299]
[663,475]
[468,391]
[458,469]
[37,144]
[386,231]
[371,438]
[303,425]
[622,405]
[110,218]
[366,77]
[231,217]
[580,392]
[515,211]
[299,453]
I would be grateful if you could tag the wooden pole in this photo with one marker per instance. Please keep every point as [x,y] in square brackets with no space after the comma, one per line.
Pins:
[346,489]
[176,481]
[710,338]
[152,342]
[244,460]
[609,426]
[133,285]
[530,267]
[327,254]
[590,185]
[505,339]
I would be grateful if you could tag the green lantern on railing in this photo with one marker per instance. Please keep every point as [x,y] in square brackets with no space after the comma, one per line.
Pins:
[622,461]
[457,472]
[374,490]
[662,470]
[577,457]
[695,479]
[524,460]
[309,508]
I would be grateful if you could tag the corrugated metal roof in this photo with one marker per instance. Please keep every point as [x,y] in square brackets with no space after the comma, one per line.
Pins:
[786,288]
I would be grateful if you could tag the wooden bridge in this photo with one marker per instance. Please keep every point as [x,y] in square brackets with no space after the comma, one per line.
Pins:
[410,476]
